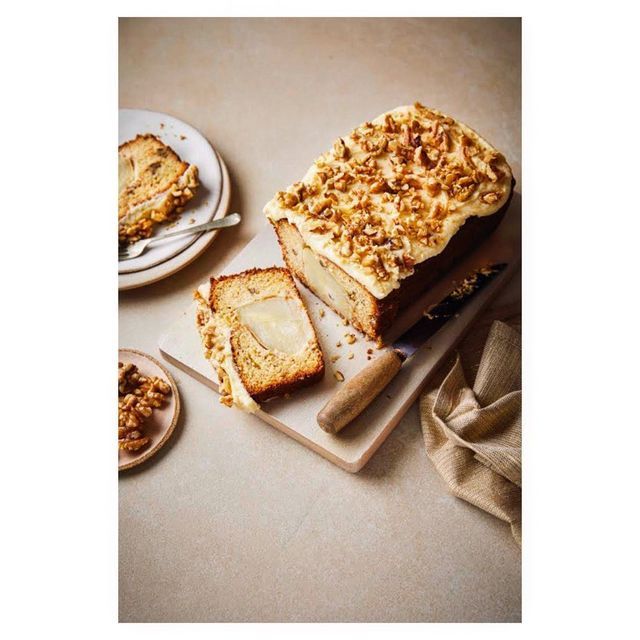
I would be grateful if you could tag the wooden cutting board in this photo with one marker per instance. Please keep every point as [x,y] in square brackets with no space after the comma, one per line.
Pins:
[296,416]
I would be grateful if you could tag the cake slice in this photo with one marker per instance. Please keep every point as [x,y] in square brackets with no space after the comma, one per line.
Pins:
[257,334]
[153,185]
[384,214]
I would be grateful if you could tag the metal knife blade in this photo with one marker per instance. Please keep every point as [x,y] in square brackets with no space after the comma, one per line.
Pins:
[438,315]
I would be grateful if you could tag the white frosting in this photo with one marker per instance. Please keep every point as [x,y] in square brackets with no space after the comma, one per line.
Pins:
[239,393]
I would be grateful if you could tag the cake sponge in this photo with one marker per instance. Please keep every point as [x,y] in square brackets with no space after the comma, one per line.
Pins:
[257,334]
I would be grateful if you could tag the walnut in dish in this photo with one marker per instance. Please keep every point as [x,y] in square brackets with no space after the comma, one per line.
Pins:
[138,396]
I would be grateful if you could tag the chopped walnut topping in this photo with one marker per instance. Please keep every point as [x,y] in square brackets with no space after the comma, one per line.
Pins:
[289,199]
[389,124]
[391,194]
[341,150]
[420,156]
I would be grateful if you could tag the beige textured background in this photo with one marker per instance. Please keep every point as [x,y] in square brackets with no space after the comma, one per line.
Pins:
[234,521]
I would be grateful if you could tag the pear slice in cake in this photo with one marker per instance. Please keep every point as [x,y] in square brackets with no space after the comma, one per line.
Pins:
[257,334]
[153,186]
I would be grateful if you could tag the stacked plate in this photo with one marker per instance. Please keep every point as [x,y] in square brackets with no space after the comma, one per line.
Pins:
[164,258]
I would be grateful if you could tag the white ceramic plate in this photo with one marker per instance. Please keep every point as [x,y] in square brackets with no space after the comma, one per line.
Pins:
[169,267]
[192,147]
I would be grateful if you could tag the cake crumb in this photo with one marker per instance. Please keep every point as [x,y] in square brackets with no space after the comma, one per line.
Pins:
[192,220]
[350,356]
[183,137]
[162,125]
[338,344]
[369,351]
[339,377]
[334,359]
[322,313]
[350,338]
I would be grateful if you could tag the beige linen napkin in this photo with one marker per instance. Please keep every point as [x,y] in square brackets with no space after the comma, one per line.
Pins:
[473,435]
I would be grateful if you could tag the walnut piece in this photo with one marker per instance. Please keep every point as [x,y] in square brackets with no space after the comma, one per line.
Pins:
[138,396]
[340,150]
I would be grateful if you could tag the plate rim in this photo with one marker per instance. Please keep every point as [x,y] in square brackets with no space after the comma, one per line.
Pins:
[174,420]
[214,205]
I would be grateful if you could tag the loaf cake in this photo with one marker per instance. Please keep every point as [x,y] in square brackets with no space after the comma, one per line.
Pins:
[379,218]
[257,334]
[153,185]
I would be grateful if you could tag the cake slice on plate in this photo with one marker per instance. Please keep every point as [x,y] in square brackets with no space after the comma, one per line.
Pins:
[153,185]
[384,214]
[257,334]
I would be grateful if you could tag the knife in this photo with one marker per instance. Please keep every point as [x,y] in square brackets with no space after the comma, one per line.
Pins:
[358,393]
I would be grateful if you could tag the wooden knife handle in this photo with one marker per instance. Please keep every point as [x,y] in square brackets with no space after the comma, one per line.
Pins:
[358,393]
